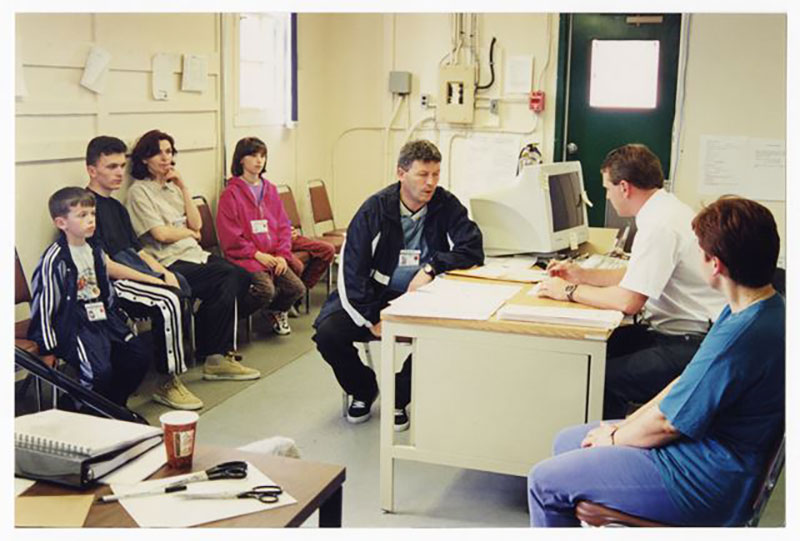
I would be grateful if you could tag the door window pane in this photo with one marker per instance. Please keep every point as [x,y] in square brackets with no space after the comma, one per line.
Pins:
[624,74]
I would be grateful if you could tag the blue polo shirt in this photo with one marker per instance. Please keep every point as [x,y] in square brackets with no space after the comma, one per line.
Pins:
[729,405]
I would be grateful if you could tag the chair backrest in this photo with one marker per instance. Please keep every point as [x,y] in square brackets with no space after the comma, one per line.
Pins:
[320,204]
[290,205]
[613,219]
[771,474]
[22,292]
[208,233]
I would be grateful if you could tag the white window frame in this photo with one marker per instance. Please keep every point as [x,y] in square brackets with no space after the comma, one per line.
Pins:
[278,113]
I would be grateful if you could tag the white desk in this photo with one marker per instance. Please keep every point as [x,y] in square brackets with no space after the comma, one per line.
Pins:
[488,395]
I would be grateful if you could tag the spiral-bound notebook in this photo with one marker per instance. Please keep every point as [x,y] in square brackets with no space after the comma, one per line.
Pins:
[76,449]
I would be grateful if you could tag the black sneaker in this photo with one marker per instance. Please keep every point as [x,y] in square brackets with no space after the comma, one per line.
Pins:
[358,412]
[401,421]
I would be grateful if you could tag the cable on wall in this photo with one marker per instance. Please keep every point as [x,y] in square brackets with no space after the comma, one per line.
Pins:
[491,67]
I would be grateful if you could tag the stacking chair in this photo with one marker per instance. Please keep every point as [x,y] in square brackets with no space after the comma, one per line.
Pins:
[22,294]
[321,208]
[209,242]
[322,214]
[593,514]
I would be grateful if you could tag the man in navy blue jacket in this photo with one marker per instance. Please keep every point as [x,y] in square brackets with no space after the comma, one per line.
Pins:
[399,240]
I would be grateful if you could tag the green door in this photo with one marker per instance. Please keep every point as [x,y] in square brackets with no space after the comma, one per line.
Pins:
[620,72]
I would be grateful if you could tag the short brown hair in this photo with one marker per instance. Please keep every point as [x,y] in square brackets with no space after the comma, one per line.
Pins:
[421,150]
[248,146]
[743,235]
[66,198]
[635,163]
[146,147]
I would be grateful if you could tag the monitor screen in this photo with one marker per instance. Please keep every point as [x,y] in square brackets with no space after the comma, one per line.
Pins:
[566,200]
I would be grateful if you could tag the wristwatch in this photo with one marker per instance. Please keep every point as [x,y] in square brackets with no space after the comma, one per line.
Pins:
[570,291]
[428,269]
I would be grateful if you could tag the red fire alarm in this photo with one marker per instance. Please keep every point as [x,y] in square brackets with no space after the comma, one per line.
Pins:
[536,101]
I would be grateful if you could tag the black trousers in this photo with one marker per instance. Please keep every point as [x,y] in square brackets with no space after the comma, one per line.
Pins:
[334,338]
[640,362]
[218,284]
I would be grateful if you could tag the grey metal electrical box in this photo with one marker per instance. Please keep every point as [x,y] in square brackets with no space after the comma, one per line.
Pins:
[400,82]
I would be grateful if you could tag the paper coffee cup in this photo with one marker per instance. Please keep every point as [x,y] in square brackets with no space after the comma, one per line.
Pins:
[180,429]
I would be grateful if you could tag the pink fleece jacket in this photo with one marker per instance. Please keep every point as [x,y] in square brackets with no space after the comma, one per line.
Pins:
[236,212]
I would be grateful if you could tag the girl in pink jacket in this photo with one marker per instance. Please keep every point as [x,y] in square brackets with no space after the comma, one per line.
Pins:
[255,233]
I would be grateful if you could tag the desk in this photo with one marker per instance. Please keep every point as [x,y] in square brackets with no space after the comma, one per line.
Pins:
[488,395]
[314,485]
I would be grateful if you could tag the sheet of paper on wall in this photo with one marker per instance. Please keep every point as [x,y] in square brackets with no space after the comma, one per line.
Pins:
[95,69]
[519,74]
[195,73]
[746,166]
[482,163]
[162,76]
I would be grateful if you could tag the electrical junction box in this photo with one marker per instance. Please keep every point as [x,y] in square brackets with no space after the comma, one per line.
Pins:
[400,82]
[456,102]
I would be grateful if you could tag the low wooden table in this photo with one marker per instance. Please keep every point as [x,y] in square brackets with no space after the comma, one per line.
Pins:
[313,484]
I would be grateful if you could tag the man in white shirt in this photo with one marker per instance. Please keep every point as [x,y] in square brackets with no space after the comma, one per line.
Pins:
[663,277]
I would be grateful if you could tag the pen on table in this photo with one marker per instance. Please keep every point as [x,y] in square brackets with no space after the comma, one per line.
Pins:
[553,261]
[163,490]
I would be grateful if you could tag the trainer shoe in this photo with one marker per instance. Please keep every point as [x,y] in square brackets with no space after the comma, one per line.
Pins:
[280,323]
[401,421]
[228,368]
[173,393]
[358,412]
[293,313]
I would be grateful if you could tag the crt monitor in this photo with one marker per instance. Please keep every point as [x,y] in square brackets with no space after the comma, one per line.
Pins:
[542,211]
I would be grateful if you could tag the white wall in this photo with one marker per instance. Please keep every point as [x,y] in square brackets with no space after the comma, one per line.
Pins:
[735,85]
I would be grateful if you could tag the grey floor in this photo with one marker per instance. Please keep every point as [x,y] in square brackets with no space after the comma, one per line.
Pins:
[301,400]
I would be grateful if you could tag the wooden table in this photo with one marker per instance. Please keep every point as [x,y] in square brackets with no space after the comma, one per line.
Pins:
[314,485]
[487,395]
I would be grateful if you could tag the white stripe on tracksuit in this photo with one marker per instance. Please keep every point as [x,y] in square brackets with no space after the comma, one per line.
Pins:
[47,301]
[354,314]
[169,304]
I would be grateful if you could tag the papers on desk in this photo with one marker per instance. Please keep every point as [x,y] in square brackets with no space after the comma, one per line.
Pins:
[452,299]
[602,319]
[138,469]
[509,269]
[175,511]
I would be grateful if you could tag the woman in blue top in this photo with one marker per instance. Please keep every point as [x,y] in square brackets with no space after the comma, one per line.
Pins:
[695,453]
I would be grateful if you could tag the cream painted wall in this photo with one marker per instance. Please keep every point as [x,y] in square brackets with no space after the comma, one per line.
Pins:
[58,117]
[735,85]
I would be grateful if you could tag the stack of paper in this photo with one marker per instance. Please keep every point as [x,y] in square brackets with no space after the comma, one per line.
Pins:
[452,299]
[510,269]
[603,319]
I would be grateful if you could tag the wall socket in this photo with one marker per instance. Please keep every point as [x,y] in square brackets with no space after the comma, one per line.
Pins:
[425,100]
[494,106]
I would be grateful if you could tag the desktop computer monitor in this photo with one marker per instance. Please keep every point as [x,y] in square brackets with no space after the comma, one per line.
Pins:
[542,211]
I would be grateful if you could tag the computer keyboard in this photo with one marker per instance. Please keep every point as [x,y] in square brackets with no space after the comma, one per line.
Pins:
[597,261]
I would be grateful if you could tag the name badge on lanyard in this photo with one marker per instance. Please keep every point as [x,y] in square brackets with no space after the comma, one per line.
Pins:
[409,258]
[95,311]
[259,226]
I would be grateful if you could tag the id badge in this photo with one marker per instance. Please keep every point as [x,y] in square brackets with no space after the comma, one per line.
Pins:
[259,226]
[96,311]
[180,222]
[409,258]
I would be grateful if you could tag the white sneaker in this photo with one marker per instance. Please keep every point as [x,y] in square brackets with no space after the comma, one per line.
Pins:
[280,323]
[293,313]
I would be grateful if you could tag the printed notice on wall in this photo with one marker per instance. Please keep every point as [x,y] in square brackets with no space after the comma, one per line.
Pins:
[482,163]
[195,73]
[162,76]
[746,166]
[95,69]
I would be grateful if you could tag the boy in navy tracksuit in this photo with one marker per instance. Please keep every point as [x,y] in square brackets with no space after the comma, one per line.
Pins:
[74,315]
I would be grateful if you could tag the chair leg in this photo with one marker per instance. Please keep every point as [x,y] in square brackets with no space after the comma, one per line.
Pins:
[345,403]
[37,385]
[308,301]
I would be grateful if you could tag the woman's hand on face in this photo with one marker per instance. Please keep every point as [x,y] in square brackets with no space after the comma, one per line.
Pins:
[174,176]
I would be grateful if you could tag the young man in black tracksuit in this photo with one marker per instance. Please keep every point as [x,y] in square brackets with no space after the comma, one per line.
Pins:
[399,240]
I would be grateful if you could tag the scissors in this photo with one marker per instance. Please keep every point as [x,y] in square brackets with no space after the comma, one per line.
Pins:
[227,470]
[262,493]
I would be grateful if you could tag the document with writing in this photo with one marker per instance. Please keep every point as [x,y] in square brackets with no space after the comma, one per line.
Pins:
[604,319]
[452,299]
